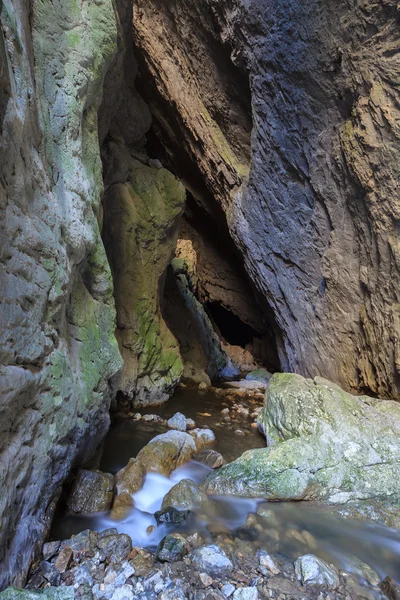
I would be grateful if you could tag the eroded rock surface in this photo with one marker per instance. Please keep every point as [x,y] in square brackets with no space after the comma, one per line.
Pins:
[315,212]
[58,350]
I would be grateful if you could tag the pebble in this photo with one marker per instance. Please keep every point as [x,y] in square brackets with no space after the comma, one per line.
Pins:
[246,593]
[239,432]
[202,386]
[311,570]
[137,417]
[190,424]
[147,418]
[205,579]
[228,590]
[267,562]
[63,560]
[212,560]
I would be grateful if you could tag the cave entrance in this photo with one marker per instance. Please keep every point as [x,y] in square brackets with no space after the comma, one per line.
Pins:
[230,327]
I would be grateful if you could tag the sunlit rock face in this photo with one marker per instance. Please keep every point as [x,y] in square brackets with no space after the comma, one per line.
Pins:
[311,199]
[58,349]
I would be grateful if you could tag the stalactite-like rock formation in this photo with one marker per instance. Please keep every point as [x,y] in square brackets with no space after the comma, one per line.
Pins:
[314,212]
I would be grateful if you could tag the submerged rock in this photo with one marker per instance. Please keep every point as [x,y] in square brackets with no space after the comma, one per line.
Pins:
[178,422]
[167,451]
[212,560]
[311,570]
[324,444]
[92,491]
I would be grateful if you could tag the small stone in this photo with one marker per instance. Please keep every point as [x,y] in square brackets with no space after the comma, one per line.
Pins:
[123,593]
[171,548]
[171,515]
[205,579]
[202,386]
[147,418]
[116,547]
[50,549]
[211,458]
[190,424]
[225,411]
[228,590]
[311,570]
[239,432]
[64,559]
[177,422]
[212,560]
[150,529]
[254,425]
[137,417]
[246,593]
[154,163]
[267,562]
[175,594]
[202,437]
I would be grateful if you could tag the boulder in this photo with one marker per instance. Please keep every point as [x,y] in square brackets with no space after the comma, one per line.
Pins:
[211,560]
[167,451]
[311,570]
[324,444]
[178,422]
[92,491]
[186,495]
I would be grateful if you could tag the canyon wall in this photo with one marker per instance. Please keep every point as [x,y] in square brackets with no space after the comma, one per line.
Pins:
[58,349]
[311,196]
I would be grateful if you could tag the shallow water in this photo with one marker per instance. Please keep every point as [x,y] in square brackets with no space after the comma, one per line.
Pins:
[127,437]
[291,528]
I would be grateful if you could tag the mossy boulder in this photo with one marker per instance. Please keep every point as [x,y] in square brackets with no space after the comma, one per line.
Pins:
[324,444]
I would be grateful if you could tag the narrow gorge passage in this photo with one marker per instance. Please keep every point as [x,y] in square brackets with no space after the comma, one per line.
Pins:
[199,308]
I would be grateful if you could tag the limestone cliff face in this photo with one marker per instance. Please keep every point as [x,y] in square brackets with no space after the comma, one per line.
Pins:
[311,197]
[58,349]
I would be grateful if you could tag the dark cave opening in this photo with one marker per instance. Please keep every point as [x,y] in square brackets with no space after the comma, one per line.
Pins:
[231,327]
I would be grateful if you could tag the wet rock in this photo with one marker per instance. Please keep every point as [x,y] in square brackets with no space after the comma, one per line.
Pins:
[64,559]
[246,593]
[92,491]
[171,548]
[178,422]
[212,560]
[388,587]
[311,570]
[323,444]
[83,545]
[260,375]
[44,574]
[116,547]
[52,593]
[228,590]
[169,514]
[268,563]
[166,452]
[202,437]
[190,424]
[210,458]
[185,495]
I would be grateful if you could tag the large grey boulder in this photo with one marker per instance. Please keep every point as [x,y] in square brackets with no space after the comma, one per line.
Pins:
[324,444]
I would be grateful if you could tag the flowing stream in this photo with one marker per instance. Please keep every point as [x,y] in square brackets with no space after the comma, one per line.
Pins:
[292,528]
